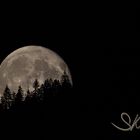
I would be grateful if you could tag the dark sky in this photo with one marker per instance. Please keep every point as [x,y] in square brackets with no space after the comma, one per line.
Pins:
[137,19]
[101,48]
[62,32]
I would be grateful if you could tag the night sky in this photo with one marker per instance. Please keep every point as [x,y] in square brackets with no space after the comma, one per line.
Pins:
[101,49]
[63,34]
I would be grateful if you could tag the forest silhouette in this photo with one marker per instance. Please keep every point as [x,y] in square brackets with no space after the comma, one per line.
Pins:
[51,95]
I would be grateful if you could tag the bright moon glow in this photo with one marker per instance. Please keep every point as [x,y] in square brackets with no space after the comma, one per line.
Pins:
[28,63]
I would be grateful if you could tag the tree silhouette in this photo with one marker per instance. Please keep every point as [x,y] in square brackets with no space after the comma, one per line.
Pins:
[19,96]
[7,93]
[48,88]
[13,96]
[51,94]
[65,81]
[48,83]
[36,85]
[56,87]
[7,97]
[3,103]
[28,93]
[28,96]
[41,93]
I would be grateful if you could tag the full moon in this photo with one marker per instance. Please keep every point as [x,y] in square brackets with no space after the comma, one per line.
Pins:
[28,63]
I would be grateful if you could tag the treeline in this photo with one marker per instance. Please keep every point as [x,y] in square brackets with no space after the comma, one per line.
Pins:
[48,94]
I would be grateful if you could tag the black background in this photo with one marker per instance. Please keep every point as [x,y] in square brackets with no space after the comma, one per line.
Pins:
[101,48]
[63,31]
[121,60]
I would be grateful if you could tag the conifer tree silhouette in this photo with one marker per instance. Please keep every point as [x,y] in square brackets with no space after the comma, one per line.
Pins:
[28,93]
[51,92]
[28,96]
[7,96]
[47,84]
[13,96]
[41,93]
[19,96]
[7,93]
[56,87]
[65,81]
[36,85]
[3,103]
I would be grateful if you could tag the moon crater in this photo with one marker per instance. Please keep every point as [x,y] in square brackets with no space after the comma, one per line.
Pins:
[26,64]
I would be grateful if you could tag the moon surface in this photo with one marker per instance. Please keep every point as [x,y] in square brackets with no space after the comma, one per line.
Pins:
[28,63]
